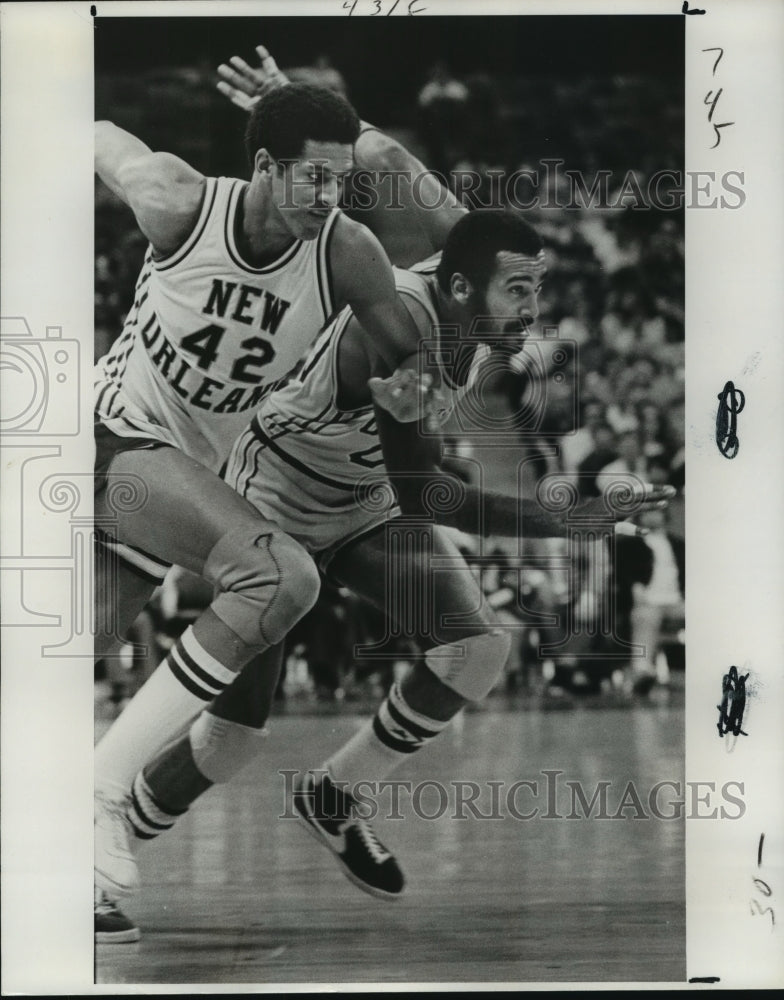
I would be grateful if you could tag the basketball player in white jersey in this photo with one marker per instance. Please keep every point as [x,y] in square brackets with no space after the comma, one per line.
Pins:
[319,459]
[238,281]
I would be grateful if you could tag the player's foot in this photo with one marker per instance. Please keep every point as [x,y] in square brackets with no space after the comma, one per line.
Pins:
[111,924]
[330,815]
[116,871]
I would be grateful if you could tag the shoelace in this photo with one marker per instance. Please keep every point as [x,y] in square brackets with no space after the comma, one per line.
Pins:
[370,840]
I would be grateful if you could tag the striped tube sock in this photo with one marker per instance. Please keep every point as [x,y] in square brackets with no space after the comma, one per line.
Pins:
[197,671]
[395,732]
[147,816]
[188,678]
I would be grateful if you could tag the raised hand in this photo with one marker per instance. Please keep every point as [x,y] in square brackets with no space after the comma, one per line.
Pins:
[244,85]
[636,499]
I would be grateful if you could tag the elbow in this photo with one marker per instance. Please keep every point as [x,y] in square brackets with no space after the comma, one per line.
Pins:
[376,151]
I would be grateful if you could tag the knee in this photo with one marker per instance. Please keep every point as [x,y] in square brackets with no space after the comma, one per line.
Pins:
[299,584]
[264,582]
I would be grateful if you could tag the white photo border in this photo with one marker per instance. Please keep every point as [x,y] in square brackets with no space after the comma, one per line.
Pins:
[734,508]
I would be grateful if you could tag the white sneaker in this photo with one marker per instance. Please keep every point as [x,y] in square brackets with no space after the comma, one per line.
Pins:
[116,871]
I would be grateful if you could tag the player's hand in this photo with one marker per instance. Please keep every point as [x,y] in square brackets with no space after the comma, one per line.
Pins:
[244,85]
[409,396]
[642,497]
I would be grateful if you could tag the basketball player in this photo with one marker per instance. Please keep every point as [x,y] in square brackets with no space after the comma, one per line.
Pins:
[318,459]
[238,280]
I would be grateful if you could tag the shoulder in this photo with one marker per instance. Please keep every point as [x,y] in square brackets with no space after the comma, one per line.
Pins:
[351,237]
[356,258]
[168,200]
[170,183]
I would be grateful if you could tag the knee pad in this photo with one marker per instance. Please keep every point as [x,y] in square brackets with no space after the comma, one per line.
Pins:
[471,667]
[221,748]
[264,581]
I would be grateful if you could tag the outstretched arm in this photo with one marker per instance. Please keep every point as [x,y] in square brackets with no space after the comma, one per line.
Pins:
[163,191]
[412,212]
[424,489]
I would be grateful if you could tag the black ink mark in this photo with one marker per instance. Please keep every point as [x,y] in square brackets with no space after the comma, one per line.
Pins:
[763,887]
[715,101]
[733,703]
[705,979]
[718,134]
[718,57]
[93,11]
[731,403]
[685,10]
[756,908]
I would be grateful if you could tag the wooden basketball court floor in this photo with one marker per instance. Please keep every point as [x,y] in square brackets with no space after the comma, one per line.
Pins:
[237,895]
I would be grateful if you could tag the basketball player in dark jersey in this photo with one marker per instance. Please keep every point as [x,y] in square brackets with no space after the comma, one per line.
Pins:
[296,465]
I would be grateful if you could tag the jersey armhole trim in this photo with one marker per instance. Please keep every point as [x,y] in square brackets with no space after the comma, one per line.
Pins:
[424,301]
[341,325]
[324,268]
[172,259]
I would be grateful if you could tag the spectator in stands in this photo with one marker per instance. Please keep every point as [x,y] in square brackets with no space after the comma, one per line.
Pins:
[578,446]
[630,460]
[658,596]
[604,452]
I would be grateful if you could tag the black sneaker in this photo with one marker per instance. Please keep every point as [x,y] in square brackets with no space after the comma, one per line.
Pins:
[329,815]
[111,924]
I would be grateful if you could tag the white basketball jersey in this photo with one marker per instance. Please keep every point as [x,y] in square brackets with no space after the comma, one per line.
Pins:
[302,422]
[209,335]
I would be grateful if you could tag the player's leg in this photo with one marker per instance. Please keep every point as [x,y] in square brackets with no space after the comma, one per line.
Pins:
[646,621]
[465,655]
[264,582]
[223,739]
[121,593]
[124,578]
[455,624]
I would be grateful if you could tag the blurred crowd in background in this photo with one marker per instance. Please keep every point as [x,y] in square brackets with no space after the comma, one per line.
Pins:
[614,291]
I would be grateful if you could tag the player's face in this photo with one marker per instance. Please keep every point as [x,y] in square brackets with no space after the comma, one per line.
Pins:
[305,191]
[510,299]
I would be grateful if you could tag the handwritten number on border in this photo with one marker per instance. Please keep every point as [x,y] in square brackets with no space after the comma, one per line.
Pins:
[761,886]
[718,57]
[378,6]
